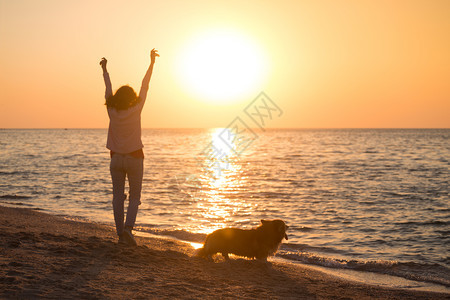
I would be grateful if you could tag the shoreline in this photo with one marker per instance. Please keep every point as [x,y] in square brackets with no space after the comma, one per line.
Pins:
[46,256]
[351,275]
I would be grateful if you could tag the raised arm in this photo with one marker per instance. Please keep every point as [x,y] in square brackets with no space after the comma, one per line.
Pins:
[108,91]
[148,75]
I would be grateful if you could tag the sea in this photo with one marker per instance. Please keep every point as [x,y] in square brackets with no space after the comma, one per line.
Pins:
[372,200]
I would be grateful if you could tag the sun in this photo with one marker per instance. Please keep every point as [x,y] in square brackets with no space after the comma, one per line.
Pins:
[221,66]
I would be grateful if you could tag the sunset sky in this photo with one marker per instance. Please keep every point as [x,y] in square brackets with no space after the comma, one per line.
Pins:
[326,64]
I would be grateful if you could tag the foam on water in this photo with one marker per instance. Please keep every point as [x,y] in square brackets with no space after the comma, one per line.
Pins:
[383,280]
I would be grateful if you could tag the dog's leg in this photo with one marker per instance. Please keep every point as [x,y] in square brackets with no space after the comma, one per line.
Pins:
[261,258]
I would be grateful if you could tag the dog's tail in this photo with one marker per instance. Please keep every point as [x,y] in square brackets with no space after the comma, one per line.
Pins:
[201,252]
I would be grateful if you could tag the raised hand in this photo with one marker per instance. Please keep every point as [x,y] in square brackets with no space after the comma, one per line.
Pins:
[153,55]
[103,63]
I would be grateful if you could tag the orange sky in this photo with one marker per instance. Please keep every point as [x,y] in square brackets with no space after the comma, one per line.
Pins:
[326,63]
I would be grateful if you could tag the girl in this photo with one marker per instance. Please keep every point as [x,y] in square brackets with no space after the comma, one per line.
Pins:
[125,145]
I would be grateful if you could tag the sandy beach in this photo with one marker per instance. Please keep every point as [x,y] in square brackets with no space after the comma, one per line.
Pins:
[45,256]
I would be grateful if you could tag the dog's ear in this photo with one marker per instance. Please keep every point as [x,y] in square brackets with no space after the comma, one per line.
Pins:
[285,228]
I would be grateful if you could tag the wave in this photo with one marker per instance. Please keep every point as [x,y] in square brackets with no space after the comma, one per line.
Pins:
[425,223]
[433,273]
[304,229]
[71,156]
[18,173]
[14,197]
[177,233]
[291,247]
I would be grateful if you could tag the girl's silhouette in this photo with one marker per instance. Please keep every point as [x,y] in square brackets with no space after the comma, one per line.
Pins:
[125,145]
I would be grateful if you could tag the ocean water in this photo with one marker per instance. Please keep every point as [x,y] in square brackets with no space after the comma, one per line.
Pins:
[375,200]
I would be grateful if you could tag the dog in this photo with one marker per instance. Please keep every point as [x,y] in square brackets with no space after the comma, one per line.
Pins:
[259,243]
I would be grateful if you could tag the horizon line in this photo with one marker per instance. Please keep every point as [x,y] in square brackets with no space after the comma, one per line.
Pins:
[203,128]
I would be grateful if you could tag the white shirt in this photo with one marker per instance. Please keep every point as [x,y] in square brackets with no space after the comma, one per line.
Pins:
[124,132]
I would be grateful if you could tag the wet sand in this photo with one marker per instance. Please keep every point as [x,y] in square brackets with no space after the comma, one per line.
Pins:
[45,256]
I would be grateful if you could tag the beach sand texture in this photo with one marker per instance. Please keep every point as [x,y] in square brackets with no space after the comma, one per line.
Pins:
[45,256]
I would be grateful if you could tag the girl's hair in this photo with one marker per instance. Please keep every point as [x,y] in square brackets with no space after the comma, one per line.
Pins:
[124,98]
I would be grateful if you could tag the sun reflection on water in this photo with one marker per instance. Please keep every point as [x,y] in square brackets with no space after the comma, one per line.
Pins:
[222,178]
